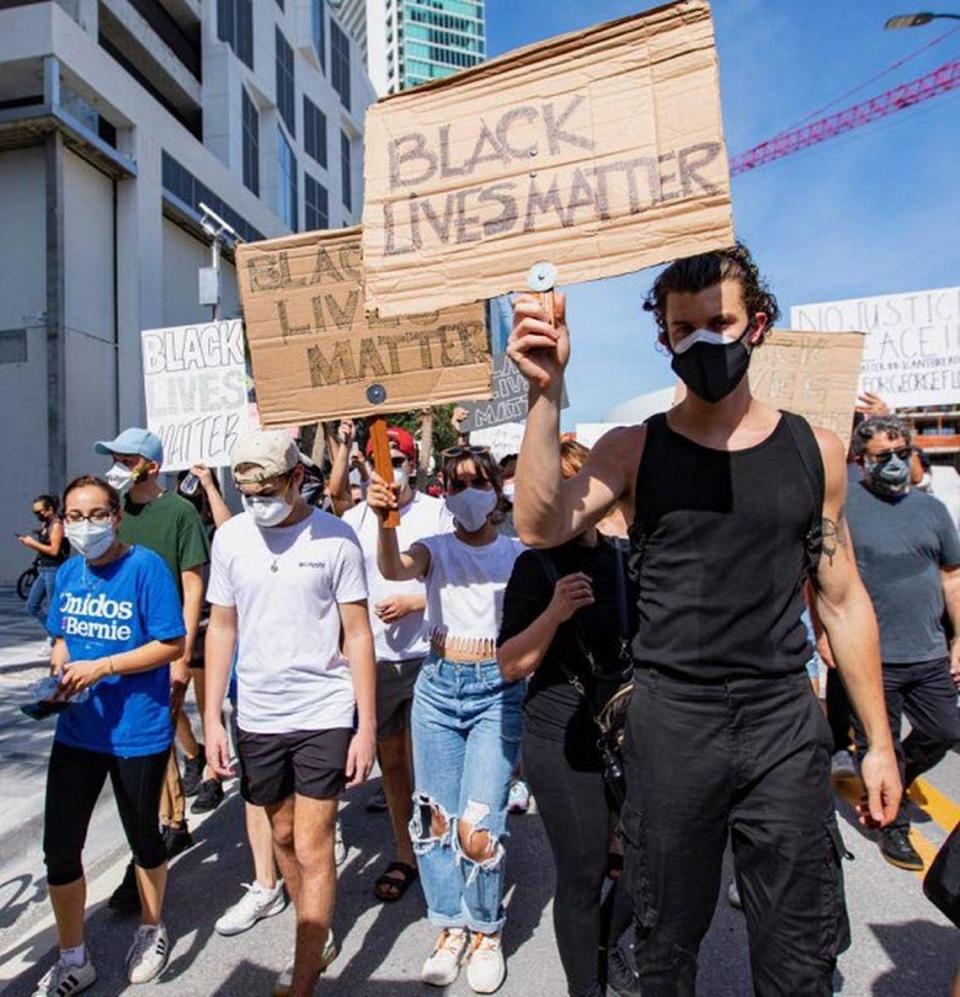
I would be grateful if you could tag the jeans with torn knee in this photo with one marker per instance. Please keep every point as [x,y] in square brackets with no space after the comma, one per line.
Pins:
[466,724]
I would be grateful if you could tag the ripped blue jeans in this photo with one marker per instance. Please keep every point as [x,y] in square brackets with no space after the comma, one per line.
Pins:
[466,726]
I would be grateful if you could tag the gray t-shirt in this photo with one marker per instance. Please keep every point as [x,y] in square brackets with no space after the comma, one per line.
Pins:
[901,544]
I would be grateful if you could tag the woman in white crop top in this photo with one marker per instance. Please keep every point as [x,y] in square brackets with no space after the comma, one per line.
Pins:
[466,720]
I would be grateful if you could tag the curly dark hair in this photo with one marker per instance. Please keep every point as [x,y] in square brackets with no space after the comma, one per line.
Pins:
[695,273]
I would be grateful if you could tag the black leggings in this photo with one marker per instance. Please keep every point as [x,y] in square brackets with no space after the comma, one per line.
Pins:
[577,818]
[75,778]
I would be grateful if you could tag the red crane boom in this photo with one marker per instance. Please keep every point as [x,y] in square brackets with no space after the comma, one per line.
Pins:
[939,81]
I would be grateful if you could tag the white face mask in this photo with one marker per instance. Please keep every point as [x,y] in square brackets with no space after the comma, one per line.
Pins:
[266,511]
[401,477]
[471,508]
[509,490]
[120,477]
[90,540]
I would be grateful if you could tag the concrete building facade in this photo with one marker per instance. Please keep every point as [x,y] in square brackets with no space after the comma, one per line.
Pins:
[406,42]
[117,118]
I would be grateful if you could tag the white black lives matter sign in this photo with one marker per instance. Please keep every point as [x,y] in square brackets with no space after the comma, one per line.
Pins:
[195,383]
[912,352]
[510,400]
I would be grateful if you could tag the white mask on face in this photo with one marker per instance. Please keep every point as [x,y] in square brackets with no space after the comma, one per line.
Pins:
[471,508]
[509,490]
[120,477]
[266,511]
[401,477]
[90,540]
[703,336]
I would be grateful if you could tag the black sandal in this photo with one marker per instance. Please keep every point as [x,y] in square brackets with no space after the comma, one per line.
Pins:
[389,889]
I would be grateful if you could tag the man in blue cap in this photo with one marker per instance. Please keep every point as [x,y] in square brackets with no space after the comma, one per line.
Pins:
[169,525]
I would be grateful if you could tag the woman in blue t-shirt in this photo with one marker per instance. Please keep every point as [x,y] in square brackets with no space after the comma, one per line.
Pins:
[118,624]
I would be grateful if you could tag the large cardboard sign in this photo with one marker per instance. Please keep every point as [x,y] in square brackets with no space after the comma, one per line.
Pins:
[195,383]
[316,352]
[601,151]
[912,353]
[510,400]
[811,373]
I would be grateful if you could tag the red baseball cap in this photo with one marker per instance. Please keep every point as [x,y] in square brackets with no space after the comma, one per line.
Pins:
[400,439]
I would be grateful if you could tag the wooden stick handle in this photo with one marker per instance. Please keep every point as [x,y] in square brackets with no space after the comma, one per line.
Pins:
[382,461]
[549,304]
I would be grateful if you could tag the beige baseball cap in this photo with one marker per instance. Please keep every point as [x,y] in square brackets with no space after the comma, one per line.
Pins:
[264,453]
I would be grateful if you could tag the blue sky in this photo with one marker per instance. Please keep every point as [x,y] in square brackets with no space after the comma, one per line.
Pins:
[875,211]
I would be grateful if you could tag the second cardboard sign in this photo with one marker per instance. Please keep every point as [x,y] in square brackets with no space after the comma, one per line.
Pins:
[318,355]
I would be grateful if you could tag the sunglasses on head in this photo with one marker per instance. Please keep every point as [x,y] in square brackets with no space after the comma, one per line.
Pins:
[904,453]
[464,452]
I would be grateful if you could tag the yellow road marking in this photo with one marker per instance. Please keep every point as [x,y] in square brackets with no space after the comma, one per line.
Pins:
[934,803]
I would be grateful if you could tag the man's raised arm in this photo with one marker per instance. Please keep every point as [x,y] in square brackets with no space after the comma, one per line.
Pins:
[548,510]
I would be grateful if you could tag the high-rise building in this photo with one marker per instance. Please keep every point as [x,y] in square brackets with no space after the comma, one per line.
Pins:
[406,42]
[117,119]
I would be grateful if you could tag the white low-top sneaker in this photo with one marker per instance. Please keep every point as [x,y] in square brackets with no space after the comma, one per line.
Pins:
[256,903]
[486,968]
[284,983]
[62,980]
[443,964]
[148,955]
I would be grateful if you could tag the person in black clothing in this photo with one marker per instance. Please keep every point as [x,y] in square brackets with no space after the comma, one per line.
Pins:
[733,504]
[554,600]
[52,549]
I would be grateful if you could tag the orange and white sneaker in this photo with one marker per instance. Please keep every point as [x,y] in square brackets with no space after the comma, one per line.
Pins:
[443,965]
[486,968]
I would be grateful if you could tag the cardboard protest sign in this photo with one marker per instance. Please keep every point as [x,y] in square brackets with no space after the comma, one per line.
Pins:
[195,383]
[502,440]
[912,353]
[509,402]
[811,373]
[601,151]
[316,352]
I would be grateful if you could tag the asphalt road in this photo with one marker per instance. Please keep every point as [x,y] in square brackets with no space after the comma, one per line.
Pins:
[902,946]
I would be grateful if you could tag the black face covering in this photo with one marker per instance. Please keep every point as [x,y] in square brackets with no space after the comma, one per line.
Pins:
[712,371]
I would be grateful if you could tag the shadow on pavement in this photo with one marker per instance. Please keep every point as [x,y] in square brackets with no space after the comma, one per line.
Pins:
[920,952]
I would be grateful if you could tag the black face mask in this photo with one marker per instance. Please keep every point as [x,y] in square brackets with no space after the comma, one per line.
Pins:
[712,370]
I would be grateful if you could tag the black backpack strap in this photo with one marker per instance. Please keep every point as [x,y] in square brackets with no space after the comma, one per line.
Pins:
[813,472]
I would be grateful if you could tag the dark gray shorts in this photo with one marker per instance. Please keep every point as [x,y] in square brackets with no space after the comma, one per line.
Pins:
[395,682]
[308,762]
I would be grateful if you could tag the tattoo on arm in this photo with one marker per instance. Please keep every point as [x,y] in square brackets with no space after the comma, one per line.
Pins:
[834,536]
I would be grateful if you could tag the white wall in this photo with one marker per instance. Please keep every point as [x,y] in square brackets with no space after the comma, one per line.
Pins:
[23,394]
[89,286]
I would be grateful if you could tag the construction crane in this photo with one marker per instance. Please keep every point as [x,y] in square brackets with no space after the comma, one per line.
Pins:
[932,84]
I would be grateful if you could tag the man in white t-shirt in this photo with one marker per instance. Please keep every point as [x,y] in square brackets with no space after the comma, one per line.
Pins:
[397,619]
[285,579]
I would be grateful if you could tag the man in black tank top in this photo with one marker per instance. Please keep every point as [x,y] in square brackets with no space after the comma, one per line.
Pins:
[734,503]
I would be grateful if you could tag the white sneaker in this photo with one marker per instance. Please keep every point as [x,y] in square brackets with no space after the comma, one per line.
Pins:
[339,848]
[62,980]
[284,983]
[733,895]
[258,902]
[518,801]
[443,965]
[148,955]
[485,969]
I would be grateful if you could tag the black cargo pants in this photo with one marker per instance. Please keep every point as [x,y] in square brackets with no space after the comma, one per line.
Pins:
[748,757]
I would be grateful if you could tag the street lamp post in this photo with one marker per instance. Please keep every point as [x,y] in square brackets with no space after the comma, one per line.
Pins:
[209,277]
[916,20]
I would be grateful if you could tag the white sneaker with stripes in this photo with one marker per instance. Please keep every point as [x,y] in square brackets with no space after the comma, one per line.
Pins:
[148,955]
[63,981]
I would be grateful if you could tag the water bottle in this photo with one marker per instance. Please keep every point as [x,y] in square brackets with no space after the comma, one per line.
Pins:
[190,484]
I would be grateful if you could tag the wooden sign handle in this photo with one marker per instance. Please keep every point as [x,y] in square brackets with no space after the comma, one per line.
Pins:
[549,305]
[382,461]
